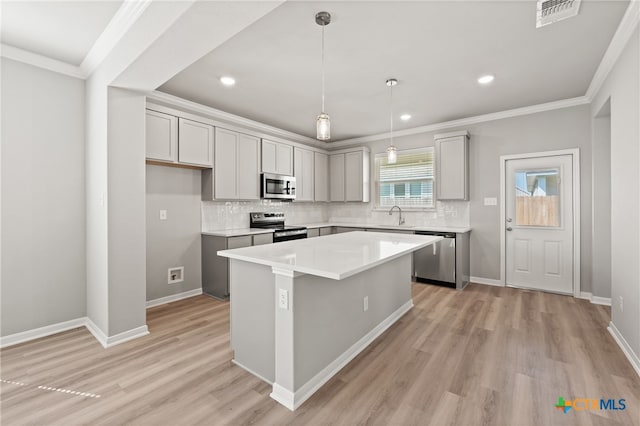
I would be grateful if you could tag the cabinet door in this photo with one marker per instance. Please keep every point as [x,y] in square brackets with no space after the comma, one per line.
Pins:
[353,176]
[239,242]
[313,233]
[248,167]
[195,145]
[336,177]
[226,160]
[451,168]
[261,239]
[285,159]
[321,176]
[161,136]
[269,156]
[303,171]
[327,230]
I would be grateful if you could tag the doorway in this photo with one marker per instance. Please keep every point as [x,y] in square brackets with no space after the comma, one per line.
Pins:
[540,218]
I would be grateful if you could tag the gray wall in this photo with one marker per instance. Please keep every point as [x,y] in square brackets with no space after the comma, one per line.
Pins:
[43,198]
[601,201]
[622,86]
[127,253]
[175,241]
[545,131]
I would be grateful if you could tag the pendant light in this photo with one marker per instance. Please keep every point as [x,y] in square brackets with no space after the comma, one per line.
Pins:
[392,152]
[323,123]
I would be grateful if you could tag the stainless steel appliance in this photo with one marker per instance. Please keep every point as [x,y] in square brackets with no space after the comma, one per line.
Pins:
[278,187]
[436,264]
[276,221]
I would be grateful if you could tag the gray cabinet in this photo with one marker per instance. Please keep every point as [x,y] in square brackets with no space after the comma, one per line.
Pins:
[215,269]
[161,136]
[236,173]
[349,175]
[277,158]
[321,176]
[303,170]
[315,232]
[178,141]
[195,143]
[343,229]
[452,166]
[326,230]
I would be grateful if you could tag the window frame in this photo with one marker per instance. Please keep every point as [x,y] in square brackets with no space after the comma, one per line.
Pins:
[376,179]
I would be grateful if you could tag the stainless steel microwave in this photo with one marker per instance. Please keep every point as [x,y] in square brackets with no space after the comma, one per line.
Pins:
[278,187]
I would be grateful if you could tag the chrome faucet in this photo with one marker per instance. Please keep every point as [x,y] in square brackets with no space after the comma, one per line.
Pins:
[400,219]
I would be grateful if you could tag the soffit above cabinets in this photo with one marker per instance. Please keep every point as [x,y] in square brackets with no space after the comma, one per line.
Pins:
[437,50]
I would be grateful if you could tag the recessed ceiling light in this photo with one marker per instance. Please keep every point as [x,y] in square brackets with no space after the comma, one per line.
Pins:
[405,117]
[486,79]
[227,81]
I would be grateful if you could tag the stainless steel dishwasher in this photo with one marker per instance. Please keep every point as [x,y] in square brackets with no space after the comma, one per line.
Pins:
[436,264]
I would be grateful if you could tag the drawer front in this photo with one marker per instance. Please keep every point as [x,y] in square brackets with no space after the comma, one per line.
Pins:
[260,239]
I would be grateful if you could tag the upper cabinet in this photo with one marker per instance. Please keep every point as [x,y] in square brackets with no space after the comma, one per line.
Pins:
[303,170]
[452,166]
[177,140]
[161,136]
[236,172]
[277,158]
[349,175]
[321,176]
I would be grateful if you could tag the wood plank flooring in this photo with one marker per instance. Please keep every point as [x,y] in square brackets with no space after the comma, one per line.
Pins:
[483,356]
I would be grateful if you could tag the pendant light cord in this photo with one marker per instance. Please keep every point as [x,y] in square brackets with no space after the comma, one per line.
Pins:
[391,115]
[323,67]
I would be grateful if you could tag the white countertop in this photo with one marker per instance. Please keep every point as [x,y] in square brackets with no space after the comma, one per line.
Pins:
[237,232]
[336,256]
[456,229]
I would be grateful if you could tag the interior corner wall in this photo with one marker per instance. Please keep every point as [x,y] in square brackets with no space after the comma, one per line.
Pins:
[43,198]
[173,242]
[126,211]
[622,86]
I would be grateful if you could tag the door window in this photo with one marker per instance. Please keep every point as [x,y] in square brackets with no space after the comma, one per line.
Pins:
[537,198]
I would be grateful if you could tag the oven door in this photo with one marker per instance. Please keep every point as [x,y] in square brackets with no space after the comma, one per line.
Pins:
[279,236]
[278,186]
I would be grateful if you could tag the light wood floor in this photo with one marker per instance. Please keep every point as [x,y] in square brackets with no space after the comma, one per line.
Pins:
[486,355]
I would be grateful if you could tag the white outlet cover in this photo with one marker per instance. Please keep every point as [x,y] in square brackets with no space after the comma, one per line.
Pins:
[490,201]
[283,299]
[163,215]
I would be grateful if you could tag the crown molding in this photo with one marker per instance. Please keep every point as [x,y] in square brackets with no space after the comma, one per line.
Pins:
[549,106]
[121,22]
[17,54]
[622,35]
[216,114]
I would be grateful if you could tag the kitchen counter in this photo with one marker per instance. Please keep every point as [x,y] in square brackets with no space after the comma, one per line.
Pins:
[456,229]
[237,232]
[289,299]
[336,256]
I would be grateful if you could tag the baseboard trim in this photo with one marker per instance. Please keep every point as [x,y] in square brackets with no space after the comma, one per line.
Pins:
[174,297]
[626,349]
[97,333]
[36,333]
[486,281]
[596,300]
[125,336]
[293,400]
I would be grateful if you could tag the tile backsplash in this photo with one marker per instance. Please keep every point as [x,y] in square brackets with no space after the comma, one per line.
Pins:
[235,214]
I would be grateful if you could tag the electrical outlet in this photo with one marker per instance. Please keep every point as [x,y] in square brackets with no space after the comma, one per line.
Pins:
[365,304]
[490,201]
[621,302]
[283,299]
[163,215]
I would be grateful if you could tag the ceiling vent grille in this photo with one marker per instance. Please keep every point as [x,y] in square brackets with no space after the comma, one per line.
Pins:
[550,11]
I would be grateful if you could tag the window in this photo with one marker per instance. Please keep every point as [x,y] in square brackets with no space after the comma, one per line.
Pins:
[409,182]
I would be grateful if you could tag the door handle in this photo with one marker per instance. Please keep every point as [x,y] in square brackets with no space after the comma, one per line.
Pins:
[509,220]
[509,228]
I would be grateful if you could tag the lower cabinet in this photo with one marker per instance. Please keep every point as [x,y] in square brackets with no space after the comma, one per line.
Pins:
[315,232]
[326,230]
[215,269]
[342,229]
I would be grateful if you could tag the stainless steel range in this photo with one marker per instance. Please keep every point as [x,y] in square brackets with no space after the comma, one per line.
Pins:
[276,221]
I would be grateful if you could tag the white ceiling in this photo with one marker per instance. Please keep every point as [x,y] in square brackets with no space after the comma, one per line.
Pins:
[62,30]
[436,50]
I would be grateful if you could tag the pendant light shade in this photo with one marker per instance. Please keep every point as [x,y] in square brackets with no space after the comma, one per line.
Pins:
[392,151]
[323,122]
[323,127]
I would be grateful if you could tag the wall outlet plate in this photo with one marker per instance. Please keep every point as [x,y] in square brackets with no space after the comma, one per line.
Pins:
[490,201]
[283,299]
[163,215]
[365,304]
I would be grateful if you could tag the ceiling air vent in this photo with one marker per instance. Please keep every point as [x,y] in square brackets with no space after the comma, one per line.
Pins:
[550,11]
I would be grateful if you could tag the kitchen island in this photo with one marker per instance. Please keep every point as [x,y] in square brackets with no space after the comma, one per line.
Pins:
[301,310]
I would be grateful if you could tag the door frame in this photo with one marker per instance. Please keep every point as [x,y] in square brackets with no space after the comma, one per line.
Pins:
[575,160]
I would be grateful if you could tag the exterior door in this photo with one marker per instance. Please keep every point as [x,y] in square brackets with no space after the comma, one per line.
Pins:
[539,223]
